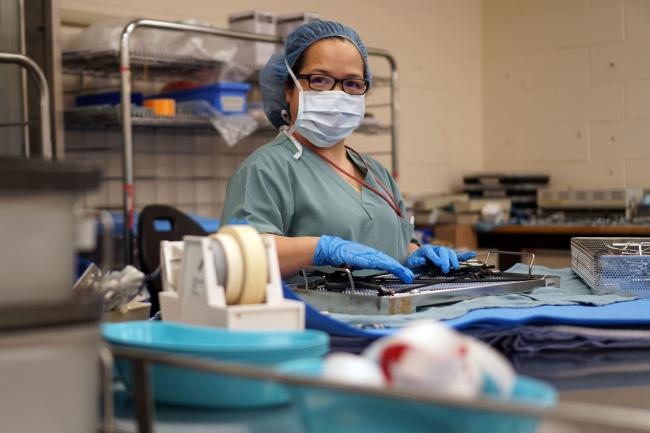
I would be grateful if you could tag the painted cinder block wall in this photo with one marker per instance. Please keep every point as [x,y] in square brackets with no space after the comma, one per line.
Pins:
[566,87]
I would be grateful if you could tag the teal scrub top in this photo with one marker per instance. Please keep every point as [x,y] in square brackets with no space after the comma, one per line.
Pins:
[279,194]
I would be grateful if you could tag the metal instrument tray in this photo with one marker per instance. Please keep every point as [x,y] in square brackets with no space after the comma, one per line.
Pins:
[613,265]
[339,290]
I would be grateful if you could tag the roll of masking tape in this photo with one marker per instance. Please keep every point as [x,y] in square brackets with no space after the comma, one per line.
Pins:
[226,250]
[161,106]
[255,265]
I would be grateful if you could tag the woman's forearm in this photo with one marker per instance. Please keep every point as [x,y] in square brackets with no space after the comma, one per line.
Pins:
[295,253]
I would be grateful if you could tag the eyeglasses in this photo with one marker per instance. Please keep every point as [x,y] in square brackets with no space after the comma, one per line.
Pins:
[322,82]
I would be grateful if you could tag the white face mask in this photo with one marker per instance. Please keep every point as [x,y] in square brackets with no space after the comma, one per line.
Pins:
[326,117]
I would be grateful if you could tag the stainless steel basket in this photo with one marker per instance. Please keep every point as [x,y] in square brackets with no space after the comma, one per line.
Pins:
[613,265]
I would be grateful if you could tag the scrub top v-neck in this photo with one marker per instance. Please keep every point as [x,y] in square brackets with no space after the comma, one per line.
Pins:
[279,194]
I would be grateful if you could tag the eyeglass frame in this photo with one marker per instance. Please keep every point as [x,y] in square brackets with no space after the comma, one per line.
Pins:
[336,81]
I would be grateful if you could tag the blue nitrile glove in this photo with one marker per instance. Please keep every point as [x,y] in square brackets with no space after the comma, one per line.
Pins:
[333,251]
[442,257]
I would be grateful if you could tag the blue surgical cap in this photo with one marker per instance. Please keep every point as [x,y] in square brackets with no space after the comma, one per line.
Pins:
[273,76]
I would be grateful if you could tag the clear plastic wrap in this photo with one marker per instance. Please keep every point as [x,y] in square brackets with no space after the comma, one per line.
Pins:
[105,36]
[232,127]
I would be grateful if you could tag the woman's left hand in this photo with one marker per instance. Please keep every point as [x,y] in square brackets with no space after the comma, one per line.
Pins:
[442,257]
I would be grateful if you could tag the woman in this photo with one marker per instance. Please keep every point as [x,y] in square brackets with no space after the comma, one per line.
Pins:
[325,203]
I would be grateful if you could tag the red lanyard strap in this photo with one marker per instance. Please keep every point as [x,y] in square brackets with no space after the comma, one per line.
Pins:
[390,199]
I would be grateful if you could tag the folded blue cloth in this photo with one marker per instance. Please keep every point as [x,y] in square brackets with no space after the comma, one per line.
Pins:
[533,339]
[629,313]
[592,369]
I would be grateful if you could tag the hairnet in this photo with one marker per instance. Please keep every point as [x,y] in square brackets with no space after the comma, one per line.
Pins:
[273,76]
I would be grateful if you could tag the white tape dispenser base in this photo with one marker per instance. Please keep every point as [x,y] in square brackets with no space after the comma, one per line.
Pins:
[230,279]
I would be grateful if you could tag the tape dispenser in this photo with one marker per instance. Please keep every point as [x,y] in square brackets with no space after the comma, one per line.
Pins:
[230,279]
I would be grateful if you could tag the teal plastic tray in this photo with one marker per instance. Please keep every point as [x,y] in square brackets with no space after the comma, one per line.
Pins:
[274,346]
[327,410]
[186,387]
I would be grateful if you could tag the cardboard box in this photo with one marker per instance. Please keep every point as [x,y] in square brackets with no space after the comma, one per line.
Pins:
[456,235]
[476,204]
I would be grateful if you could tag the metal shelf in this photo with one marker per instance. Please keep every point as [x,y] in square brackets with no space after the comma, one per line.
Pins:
[153,66]
[168,178]
[18,124]
[110,116]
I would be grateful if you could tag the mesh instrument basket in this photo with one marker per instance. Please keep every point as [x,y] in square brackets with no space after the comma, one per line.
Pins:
[613,265]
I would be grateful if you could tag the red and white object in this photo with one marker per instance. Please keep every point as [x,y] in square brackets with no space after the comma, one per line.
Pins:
[430,355]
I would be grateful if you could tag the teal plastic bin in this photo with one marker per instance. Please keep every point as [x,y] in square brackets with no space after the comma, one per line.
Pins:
[187,387]
[328,410]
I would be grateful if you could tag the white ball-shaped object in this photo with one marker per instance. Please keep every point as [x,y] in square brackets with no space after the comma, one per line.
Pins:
[352,369]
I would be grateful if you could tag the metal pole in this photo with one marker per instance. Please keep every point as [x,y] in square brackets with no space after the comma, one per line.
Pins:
[106,362]
[394,107]
[127,139]
[142,396]
[108,255]
[44,91]
[23,79]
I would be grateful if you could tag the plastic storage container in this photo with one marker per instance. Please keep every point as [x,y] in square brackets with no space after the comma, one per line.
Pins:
[254,54]
[285,24]
[107,98]
[227,98]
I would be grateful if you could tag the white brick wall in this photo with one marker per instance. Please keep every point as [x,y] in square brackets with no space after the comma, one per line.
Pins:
[567,90]
[191,173]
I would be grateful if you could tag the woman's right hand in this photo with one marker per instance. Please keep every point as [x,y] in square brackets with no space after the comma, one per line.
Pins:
[333,251]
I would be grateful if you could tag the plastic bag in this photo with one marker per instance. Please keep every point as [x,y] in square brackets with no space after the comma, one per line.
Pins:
[101,36]
[205,46]
[233,127]
[105,36]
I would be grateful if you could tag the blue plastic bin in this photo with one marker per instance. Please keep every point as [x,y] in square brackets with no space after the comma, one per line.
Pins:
[272,346]
[193,388]
[325,410]
[107,98]
[227,98]
[186,387]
